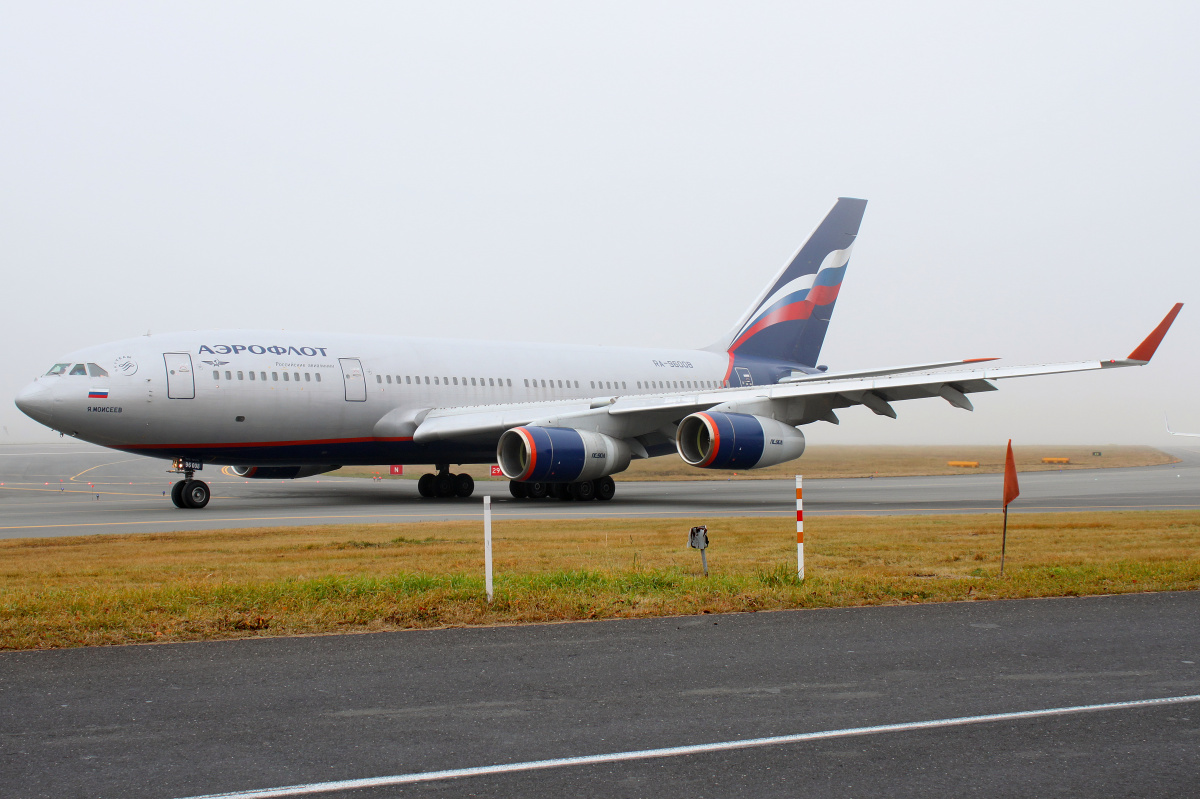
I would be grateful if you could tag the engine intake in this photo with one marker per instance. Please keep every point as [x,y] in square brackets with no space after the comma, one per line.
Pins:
[717,440]
[559,454]
[279,472]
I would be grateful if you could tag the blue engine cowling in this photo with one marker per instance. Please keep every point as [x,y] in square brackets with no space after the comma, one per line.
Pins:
[279,472]
[714,440]
[559,454]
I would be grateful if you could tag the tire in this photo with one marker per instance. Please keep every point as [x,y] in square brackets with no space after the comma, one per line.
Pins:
[196,494]
[464,485]
[583,491]
[443,485]
[560,490]
[425,485]
[536,489]
[518,489]
[177,494]
[605,488]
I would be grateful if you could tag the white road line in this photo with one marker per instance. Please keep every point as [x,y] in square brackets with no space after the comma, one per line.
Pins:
[676,751]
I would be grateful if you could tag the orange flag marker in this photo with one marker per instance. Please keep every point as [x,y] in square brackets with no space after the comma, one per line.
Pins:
[1011,492]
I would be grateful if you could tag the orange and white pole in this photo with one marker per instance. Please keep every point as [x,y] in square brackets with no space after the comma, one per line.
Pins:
[799,527]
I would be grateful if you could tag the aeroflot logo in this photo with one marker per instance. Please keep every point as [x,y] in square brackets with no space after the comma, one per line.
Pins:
[258,349]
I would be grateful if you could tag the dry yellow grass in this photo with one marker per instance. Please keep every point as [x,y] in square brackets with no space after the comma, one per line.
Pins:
[854,461]
[279,581]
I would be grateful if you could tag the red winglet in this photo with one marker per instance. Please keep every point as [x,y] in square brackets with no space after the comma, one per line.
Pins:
[978,360]
[1145,350]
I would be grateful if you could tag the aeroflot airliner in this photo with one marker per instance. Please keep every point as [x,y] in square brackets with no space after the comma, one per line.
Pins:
[559,419]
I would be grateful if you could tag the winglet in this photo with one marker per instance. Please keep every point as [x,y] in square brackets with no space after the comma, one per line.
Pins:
[1145,350]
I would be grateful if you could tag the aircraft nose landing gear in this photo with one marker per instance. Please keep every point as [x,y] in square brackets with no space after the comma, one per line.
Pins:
[189,493]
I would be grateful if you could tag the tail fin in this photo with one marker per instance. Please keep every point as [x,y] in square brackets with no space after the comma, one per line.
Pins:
[788,321]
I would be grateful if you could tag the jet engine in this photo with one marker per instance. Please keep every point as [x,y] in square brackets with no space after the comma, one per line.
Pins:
[279,472]
[716,440]
[559,454]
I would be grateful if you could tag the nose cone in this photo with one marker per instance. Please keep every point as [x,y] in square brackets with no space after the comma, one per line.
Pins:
[35,402]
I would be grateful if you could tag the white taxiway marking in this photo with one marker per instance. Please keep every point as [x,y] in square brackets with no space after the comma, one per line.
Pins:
[676,751]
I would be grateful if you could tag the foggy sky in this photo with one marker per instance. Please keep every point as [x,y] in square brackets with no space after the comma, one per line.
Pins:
[624,173]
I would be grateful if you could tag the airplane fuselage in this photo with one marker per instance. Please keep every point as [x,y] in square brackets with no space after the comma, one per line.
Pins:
[247,397]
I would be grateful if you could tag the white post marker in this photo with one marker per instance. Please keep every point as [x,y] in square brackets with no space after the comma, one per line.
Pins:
[487,546]
[799,527]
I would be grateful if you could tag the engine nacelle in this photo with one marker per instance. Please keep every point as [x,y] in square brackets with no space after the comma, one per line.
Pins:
[279,472]
[717,440]
[559,454]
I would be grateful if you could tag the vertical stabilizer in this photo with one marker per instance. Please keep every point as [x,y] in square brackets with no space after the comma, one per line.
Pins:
[788,321]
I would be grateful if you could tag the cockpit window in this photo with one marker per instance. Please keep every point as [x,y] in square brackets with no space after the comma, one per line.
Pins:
[79,369]
[94,370]
[58,369]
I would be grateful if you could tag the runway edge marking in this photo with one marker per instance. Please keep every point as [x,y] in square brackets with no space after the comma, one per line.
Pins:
[676,751]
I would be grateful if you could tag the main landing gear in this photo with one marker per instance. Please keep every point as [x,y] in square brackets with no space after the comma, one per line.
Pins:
[444,484]
[601,488]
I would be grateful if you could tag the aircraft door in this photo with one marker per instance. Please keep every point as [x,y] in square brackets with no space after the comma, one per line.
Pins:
[744,376]
[181,383]
[356,379]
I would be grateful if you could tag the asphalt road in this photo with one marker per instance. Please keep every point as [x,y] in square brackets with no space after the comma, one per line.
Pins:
[192,719]
[79,489]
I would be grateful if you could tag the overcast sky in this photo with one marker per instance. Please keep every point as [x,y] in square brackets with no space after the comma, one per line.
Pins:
[620,173]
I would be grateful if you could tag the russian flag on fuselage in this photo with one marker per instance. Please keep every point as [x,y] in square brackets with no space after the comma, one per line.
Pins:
[98,393]
[790,321]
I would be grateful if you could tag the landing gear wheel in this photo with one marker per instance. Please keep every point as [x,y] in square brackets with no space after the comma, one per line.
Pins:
[177,494]
[536,489]
[583,491]
[196,494]
[443,485]
[425,485]
[605,488]
[560,490]
[464,485]
[518,489]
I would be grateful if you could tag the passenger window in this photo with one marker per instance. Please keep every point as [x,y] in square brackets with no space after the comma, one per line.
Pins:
[240,376]
[472,381]
[389,379]
[491,382]
[593,384]
[378,378]
[94,370]
[622,384]
[509,380]
[275,376]
[251,375]
[435,381]
[407,379]
[79,369]
[216,375]
[456,381]
[263,375]
[543,384]
[560,384]
[426,379]
[308,377]
[527,382]
[228,375]
[285,377]
[58,369]
[318,377]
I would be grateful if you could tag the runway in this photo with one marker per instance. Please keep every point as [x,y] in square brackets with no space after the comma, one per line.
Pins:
[79,489]
[195,719]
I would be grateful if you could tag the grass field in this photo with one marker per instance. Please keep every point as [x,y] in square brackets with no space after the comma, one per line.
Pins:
[850,461]
[63,592]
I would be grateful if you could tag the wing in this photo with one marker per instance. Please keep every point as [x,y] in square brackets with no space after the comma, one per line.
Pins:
[648,421]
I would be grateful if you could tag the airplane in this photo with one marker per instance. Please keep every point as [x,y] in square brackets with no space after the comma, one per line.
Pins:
[559,419]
